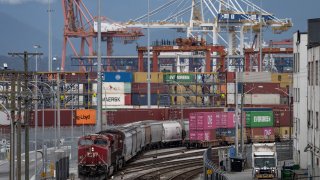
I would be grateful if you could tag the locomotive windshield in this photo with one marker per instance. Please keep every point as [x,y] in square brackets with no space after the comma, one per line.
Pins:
[84,142]
[101,142]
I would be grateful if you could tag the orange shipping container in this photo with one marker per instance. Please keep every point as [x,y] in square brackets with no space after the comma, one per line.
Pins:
[85,116]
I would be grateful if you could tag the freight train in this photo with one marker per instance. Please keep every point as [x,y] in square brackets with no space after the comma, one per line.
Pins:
[103,153]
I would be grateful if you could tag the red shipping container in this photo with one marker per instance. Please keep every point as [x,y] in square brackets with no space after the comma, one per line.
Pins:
[264,88]
[65,117]
[223,119]
[200,119]
[282,117]
[200,135]
[192,134]
[192,121]
[218,119]
[261,134]
[210,135]
[206,119]
[231,77]
[127,99]
[142,88]
[231,120]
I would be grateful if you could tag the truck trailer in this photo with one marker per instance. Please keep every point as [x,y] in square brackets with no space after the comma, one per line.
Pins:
[264,160]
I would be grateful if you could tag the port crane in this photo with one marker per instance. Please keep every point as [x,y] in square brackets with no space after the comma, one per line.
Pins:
[81,25]
[224,19]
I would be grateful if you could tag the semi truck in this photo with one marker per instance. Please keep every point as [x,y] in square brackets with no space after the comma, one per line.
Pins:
[264,161]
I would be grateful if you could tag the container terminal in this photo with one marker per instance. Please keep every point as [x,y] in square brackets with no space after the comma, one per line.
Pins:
[217,102]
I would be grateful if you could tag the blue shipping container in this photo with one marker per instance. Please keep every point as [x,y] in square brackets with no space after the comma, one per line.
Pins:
[164,100]
[118,77]
[142,99]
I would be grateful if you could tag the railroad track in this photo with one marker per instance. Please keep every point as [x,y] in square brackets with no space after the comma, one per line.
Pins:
[189,174]
[169,165]
[155,173]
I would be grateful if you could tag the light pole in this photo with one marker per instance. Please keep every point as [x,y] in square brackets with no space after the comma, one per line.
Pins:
[36,126]
[148,75]
[36,107]
[241,116]
[11,140]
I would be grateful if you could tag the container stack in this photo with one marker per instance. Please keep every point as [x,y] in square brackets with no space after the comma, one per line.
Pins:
[116,90]
[202,126]
[282,123]
[261,88]
[259,126]
[158,90]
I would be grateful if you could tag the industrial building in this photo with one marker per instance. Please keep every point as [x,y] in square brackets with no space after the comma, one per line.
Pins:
[306,100]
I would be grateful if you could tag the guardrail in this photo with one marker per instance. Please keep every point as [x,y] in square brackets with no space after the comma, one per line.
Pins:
[211,170]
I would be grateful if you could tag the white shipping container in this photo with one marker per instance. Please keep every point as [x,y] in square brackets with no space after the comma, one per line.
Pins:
[114,88]
[76,100]
[73,88]
[231,88]
[254,77]
[265,98]
[110,100]
[247,99]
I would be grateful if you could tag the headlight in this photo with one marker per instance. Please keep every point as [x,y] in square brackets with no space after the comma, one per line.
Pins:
[257,170]
[92,149]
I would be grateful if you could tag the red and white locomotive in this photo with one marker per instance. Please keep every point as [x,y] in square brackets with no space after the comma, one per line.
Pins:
[104,153]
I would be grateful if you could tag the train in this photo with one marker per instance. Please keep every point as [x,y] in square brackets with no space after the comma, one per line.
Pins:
[105,152]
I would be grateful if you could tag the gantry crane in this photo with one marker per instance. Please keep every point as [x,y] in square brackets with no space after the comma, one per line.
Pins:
[80,24]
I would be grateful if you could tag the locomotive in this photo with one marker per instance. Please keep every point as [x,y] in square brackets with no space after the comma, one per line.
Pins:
[104,153]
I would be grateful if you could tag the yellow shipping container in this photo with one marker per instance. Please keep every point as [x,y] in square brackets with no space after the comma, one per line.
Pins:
[186,100]
[281,78]
[141,77]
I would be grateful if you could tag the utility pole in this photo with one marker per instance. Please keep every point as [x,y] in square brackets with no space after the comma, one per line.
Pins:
[25,55]
[18,124]
[12,134]
[99,83]
[236,114]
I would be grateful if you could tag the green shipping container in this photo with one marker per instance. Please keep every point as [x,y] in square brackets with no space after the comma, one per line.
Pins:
[183,78]
[259,119]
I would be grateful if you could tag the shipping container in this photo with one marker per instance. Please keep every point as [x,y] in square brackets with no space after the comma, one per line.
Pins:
[142,99]
[230,88]
[50,114]
[155,88]
[282,117]
[285,78]
[247,99]
[231,77]
[264,134]
[205,120]
[262,88]
[193,135]
[283,133]
[113,88]
[186,100]
[193,121]
[141,77]
[164,100]
[118,77]
[265,98]
[254,77]
[178,78]
[259,119]
[206,135]
[112,100]
[127,99]
[206,77]
[85,116]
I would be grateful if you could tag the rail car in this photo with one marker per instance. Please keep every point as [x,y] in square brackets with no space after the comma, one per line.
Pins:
[105,152]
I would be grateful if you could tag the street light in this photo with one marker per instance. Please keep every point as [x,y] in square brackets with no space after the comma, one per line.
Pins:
[36,126]
[241,115]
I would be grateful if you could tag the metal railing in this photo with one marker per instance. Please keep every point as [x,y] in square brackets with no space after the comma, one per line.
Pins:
[211,170]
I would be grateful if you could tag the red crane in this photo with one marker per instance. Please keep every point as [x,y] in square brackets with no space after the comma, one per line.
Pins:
[80,24]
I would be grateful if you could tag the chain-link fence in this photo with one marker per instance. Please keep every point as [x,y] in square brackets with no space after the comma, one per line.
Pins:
[211,170]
